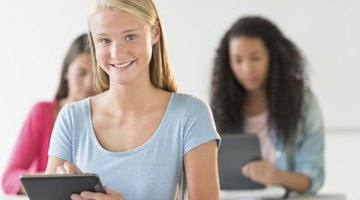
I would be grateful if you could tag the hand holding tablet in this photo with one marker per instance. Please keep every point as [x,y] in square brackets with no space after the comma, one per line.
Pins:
[60,187]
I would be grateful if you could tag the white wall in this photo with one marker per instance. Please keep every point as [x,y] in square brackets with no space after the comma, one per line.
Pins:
[34,36]
[326,31]
[342,164]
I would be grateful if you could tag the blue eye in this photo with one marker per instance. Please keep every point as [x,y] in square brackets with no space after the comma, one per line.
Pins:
[104,41]
[130,37]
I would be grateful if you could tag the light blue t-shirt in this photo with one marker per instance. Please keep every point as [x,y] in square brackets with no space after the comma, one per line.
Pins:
[153,170]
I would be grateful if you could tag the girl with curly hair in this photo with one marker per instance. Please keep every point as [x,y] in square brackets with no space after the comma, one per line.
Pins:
[259,86]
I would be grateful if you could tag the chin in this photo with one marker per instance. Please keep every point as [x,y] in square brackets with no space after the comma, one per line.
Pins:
[252,87]
[122,81]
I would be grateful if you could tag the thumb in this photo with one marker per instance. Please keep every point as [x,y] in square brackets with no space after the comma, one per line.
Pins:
[244,170]
[108,190]
[111,192]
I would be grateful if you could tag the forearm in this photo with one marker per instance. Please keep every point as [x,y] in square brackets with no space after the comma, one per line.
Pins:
[293,181]
[22,190]
[10,180]
[53,163]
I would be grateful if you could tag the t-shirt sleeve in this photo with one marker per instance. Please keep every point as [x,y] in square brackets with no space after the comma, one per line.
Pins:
[199,125]
[61,137]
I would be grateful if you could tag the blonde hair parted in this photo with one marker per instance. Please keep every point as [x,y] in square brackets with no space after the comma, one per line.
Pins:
[161,74]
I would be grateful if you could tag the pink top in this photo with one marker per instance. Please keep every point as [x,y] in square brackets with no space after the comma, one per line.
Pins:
[30,154]
[258,125]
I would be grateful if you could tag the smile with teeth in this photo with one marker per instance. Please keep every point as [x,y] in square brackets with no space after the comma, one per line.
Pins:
[123,65]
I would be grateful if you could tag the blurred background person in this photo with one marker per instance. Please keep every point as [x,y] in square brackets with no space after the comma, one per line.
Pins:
[259,86]
[30,154]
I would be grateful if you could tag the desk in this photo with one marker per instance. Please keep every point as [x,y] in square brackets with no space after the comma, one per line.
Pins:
[13,197]
[273,193]
[305,197]
[302,197]
[319,197]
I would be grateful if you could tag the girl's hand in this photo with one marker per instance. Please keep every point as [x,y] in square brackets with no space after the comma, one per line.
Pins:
[110,195]
[71,168]
[68,168]
[261,171]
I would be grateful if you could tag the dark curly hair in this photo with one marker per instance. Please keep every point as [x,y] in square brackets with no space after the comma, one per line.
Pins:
[285,84]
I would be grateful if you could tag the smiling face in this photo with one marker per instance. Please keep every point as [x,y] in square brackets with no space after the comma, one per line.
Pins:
[249,61]
[123,46]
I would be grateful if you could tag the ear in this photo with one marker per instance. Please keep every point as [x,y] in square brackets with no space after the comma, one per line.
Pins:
[156,33]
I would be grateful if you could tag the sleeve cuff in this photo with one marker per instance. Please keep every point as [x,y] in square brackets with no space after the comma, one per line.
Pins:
[201,140]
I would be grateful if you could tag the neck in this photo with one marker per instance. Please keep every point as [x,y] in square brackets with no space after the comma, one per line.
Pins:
[256,94]
[131,99]
[255,102]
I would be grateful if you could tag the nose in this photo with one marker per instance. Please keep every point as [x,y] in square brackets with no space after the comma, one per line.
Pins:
[246,67]
[117,50]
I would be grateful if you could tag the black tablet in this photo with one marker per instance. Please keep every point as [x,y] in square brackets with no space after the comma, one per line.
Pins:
[59,187]
[235,151]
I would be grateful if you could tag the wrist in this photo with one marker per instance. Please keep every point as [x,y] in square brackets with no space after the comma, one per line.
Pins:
[278,179]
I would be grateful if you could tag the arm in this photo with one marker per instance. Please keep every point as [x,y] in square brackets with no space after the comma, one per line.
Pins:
[60,151]
[293,181]
[53,164]
[202,172]
[265,172]
[308,175]
[309,159]
[24,153]
[200,151]
[61,166]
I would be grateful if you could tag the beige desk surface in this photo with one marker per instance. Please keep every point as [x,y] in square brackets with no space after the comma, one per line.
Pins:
[13,197]
[320,197]
[310,197]
[303,197]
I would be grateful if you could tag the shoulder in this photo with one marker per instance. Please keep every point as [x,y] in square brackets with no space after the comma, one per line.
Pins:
[310,102]
[77,106]
[312,120]
[76,110]
[44,105]
[189,103]
[191,109]
[72,117]
[43,109]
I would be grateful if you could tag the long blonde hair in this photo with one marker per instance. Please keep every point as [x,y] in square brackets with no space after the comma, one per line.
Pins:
[161,74]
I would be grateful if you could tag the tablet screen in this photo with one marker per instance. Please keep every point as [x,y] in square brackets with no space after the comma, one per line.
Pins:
[235,151]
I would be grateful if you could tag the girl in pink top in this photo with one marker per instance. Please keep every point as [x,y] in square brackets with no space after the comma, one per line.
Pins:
[29,155]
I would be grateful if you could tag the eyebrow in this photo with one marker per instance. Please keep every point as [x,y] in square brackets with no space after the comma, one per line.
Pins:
[130,30]
[255,53]
[124,32]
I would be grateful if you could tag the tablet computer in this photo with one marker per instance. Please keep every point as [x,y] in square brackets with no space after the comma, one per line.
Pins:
[235,151]
[60,187]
